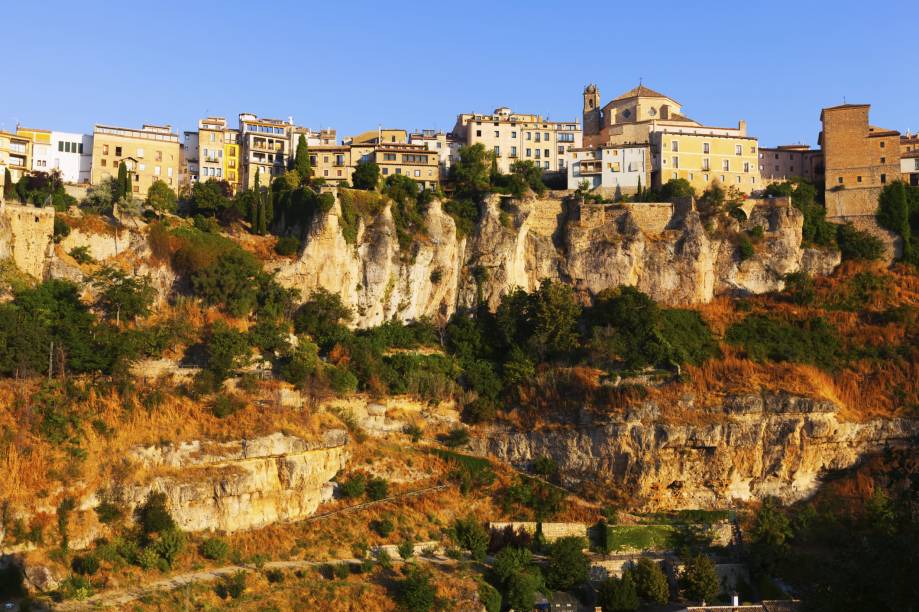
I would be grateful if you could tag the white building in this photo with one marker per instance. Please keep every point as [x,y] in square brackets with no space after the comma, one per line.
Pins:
[613,169]
[440,143]
[71,154]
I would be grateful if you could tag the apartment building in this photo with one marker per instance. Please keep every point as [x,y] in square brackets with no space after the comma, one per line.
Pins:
[378,136]
[69,154]
[265,148]
[218,152]
[787,162]
[15,154]
[436,141]
[188,166]
[909,159]
[336,163]
[41,147]
[681,148]
[613,170]
[859,160]
[332,162]
[150,153]
[519,136]
[313,138]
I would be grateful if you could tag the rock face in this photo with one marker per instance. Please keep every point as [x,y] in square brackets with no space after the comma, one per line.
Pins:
[25,237]
[241,484]
[755,446]
[519,243]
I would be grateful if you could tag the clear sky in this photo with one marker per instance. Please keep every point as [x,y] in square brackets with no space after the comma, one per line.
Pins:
[354,65]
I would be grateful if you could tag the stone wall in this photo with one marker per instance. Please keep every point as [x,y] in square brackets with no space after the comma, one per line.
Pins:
[842,203]
[651,217]
[551,531]
[25,236]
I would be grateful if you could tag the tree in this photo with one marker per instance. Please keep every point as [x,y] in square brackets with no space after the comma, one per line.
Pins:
[857,244]
[210,197]
[650,581]
[522,588]
[675,189]
[415,592]
[153,515]
[543,322]
[530,174]
[122,295]
[161,197]
[471,173]
[302,160]
[618,594]
[232,282]
[568,565]
[226,349]
[8,185]
[894,214]
[470,534]
[509,561]
[366,175]
[769,536]
[323,317]
[699,579]
[122,186]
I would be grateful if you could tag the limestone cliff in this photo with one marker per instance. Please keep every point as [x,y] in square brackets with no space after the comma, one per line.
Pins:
[671,256]
[241,484]
[25,237]
[747,448]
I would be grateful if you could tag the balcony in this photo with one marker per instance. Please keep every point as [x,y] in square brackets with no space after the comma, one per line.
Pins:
[590,167]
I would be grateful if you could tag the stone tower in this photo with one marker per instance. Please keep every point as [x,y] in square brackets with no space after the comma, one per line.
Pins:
[591,110]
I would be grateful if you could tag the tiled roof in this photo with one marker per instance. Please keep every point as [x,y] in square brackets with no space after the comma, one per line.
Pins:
[641,90]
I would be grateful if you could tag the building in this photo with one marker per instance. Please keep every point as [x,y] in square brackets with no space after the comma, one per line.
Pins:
[15,154]
[189,169]
[151,153]
[378,136]
[336,163]
[436,141]
[909,159]
[681,148]
[859,159]
[615,170]
[786,162]
[265,148]
[218,154]
[519,136]
[41,147]
[332,162]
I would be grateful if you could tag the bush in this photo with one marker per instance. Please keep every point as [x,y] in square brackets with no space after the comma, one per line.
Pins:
[232,586]
[161,197]
[215,549]
[763,338]
[169,545]
[287,245]
[341,570]
[341,379]
[61,229]
[377,488]
[86,565]
[383,527]
[225,405]
[353,487]
[456,437]
[81,255]
[108,512]
[415,592]
[232,283]
[366,175]
[489,597]
[650,581]
[568,566]
[471,535]
[407,549]
[274,576]
[153,515]
[699,579]
[799,287]
[858,245]
[744,247]
[618,594]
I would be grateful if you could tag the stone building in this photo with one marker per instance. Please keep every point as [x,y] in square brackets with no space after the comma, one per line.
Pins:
[519,136]
[681,148]
[859,159]
[265,148]
[786,162]
[909,159]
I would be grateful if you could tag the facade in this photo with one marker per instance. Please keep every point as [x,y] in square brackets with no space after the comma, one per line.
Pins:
[218,152]
[519,136]
[151,153]
[336,163]
[41,147]
[379,136]
[436,141]
[15,154]
[680,147]
[787,162]
[859,159]
[909,159]
[615,170]
[264,148]
[332,162]
[69,154]
[189,168]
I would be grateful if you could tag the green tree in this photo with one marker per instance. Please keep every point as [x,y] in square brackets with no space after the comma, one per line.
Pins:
[543,322]
[122,186]
[232,282]
[323,317]
[650,581]
[227,349]
[471,174]
[522,589]
[416,592]
[509,561]
[154,516]
[699,580]
[568,566]
[618,594]
[894,214]
[161,197]
[857,244]
[8,185]
[366,175]
[470,534]
[302,160]
[769,536]
[210,197]
[676,189]
[122,295]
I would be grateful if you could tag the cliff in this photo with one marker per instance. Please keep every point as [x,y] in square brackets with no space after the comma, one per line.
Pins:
[520,243]
[749,447]
[25,237]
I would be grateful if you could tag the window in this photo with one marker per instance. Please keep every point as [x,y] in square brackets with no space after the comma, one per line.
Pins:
[136,189]
[538,136]
[497,134]
[325,159]
[858,179]
[513,135]
[676,162]
[140,152]
[882,144]
[158,156]
[722,178]
[738,179]
[883,160]
[706,148]
[705,177]
[529,153]
[538,153]
[105,149]
[514,152]
[839,180]
[478,133]
[545,165]
[117,151]
[883,178]
[398,170]
[546,153]
[169,171]
[746,166]
[60,146]
[143,167]
[313,160]
[529,136]
[326,172]
[705,164]
[497,151]
[339,160]
[738,150]
[417,172]
[561,150]
[212,136]
[726,165]
[103,162]
[156,170]
[674,146]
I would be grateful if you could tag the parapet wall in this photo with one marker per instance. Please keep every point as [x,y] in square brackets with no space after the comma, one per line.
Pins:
[550,531]
[842,203]
[651,217]
[26,233]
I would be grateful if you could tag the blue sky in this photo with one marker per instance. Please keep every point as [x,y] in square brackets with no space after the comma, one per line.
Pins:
[356,65]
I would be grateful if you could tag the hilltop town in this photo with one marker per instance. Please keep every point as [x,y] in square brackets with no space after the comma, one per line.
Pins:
[625,362]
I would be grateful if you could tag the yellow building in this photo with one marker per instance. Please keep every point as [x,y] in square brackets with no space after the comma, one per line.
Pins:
[680,147]
[336,163]
[519,136]
[379,136]
[150,153]
[218,152]
[41,147]
[15,154]
[332,162]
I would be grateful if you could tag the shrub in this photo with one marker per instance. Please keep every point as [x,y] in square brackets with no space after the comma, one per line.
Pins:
[489,597]
[413,432]
[287,245]
[353,487]
[227,349]
[153,515]
[274,576]
[215,549]
[799,287]
[471,535]
[377,488]
[366,175]
[618,594]
[108,512]
[323,317]
[341,570]
[383,527]
[744,247]
[858,245]
[61,229]
[169,545]
[415,592]
[407,549]
[81,255]
[650,581]
[765,338]
[232,282]
[225,405]
[86,565]
[456,437]
[232,586]
[341,379]
[160,196]
[568,565]
[699,579]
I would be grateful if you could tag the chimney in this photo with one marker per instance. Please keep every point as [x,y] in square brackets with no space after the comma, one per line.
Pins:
[735,599]
[742,126]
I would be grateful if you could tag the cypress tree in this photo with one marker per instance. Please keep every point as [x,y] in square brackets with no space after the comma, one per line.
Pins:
[253,212]
[7,184]
[120,188]
[262,217]
[302,163]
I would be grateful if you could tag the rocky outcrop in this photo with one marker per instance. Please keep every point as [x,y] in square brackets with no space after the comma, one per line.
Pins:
[239,485]
[518,243]
[25,237]
[749,448]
